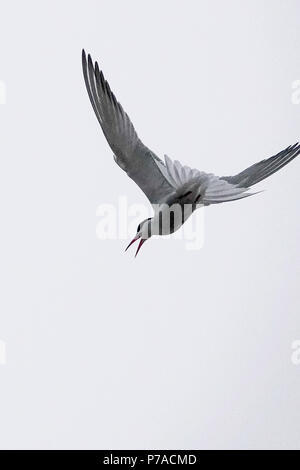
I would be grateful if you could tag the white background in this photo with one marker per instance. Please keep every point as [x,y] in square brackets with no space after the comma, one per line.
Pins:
[174,349]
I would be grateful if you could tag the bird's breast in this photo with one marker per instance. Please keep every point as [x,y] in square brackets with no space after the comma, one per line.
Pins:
[168,219]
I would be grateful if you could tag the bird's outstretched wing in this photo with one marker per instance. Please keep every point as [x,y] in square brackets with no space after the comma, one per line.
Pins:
[140,163]
[199,187]
[261,170]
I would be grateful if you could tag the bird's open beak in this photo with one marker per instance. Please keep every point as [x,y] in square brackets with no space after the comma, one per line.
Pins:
[142,241]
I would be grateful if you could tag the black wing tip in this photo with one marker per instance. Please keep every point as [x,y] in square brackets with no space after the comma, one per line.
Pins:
[294,149]
[290,151]
[83,60]
[97,67]
[91,63]
[87,59]
[294,146]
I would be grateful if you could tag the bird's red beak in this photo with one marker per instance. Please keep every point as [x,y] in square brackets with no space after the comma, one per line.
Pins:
[142,241]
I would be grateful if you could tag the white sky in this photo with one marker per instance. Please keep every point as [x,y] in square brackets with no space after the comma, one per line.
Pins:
[174,349]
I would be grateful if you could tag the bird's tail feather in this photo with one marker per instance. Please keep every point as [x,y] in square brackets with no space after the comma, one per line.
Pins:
[225,198]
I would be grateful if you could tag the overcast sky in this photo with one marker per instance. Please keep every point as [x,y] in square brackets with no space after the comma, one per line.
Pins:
[177,348]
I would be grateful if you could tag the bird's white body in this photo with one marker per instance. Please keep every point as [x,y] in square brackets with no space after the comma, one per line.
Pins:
[167,219]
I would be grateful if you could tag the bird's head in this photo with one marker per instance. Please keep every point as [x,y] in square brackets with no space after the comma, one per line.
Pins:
[143,233]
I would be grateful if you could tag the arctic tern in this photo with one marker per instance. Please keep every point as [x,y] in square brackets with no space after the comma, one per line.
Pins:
[174,190]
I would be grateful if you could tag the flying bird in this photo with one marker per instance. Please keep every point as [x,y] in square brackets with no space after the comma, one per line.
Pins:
[173,189]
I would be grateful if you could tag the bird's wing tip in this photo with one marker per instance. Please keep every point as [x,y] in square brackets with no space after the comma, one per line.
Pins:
[83,58]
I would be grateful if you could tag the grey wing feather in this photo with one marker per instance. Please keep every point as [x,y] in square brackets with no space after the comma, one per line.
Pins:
[139,162]
[194,186]
[259,171]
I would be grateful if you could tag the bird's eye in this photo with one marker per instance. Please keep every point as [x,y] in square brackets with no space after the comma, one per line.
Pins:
[139,228]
